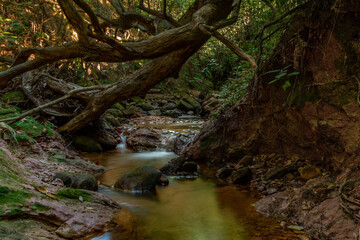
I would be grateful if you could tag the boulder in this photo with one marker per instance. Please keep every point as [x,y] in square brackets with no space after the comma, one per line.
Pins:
[143,139]
[240,176]
[173,113]
[141,179]
[106,140]
[245,161]
[170,106]
[173,166]
[163,181]
[146,106]
[181,141]
[275,173]
[189,167]
[87,144]
[188,103]
[77,180]
[156,112]
[224,172]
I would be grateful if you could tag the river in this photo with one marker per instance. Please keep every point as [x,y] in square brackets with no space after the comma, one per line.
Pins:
[187,209]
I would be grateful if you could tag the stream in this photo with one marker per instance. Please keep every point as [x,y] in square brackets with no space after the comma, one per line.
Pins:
[187,209]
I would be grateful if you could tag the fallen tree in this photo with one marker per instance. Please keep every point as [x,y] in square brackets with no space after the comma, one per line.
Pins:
[167,51]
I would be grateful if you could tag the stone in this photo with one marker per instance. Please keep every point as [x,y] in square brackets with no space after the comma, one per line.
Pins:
[173,166]
[173,113]
[240,176]
[106,140]
[181,141]
[163,181]
[87,144]
[170,106]
[143,139]
[188,103]
[224,172]
[142,179]
[245,161]
[309,172]
[156,112]
[146,106]
[77,180]
[275,173]
[189,167]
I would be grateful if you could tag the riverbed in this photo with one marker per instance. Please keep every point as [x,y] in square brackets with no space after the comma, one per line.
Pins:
[189,208]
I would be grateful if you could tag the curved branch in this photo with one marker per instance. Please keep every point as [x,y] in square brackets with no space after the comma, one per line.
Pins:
[40,108]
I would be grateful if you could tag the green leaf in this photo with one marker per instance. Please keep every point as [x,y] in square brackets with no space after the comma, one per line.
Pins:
[286,85]
[272,71]
[280,75]
[293,74]
[273,81]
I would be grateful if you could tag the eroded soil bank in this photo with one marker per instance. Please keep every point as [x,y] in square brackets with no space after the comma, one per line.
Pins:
[301,144]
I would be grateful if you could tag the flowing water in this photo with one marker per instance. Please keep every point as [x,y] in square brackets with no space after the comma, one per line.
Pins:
[187,209]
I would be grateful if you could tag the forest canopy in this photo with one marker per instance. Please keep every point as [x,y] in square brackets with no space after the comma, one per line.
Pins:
[156,38]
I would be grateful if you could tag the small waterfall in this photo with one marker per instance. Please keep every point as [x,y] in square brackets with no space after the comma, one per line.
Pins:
[122,145]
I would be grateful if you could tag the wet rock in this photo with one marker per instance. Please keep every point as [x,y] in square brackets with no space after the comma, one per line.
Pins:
[240,176]
[173,113]
[106,140]
[224,172]
[189,167]
[275,173]
[170,106]
[77,180]
[188,103]
[156,112]
[173,166]
[133,111]
[141,179]
[245,161]
[181,141]
[163,181]
[309,172]
[87,144]
[143,139]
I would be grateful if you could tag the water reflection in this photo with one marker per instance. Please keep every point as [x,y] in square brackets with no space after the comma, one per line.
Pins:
[186,209]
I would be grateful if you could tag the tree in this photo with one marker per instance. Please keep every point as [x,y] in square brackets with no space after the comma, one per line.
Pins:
[167,51]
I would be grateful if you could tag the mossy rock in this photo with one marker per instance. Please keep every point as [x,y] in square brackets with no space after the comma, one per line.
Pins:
[118,106]
[142,179]
[137,100]
[12,196]
[87,144]
[10,169]
[15,96]
[146,106]
[78,181]
[75,194]
[188,103]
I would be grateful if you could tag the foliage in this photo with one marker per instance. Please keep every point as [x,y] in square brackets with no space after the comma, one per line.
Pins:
[282,74]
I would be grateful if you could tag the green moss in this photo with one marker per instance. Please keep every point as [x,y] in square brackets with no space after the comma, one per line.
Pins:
[12,196]
[137,100]
[70,193]
[13,96]
[39,207]
[32,127]
[118,106]
[21,137]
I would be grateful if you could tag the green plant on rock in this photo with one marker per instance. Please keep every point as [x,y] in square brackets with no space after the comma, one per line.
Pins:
[282,74]
[71,193]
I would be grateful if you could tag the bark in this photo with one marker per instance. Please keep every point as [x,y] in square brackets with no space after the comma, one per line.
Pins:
[168,50]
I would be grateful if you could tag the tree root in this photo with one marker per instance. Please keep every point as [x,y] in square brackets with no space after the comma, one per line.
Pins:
[345,201]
